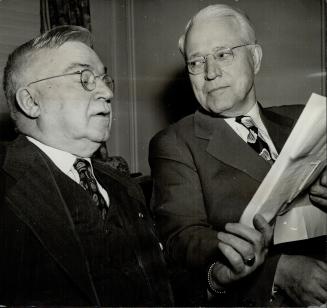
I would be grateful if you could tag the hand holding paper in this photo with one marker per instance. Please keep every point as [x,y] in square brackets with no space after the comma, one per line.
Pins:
[240,244]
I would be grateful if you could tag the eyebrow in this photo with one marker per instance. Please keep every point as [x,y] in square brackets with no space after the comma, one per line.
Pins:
[198,54]
[76,65]
[193,55]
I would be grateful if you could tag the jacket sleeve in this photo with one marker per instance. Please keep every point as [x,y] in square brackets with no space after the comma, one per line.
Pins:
[178,203]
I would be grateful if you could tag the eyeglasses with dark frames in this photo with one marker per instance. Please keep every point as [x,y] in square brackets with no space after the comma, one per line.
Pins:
[87,79]
[223,56]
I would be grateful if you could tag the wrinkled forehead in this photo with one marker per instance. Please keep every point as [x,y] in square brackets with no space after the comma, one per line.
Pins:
[222,31]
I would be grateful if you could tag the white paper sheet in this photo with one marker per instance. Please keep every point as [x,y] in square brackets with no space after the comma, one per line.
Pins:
[301,160]
[301,222]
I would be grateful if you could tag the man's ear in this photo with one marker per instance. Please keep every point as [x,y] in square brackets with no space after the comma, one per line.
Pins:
[27,103]
[257,57]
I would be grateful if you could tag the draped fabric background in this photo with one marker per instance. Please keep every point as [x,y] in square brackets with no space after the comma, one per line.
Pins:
[64,12]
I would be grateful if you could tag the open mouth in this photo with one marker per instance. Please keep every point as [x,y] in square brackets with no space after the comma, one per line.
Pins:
[103,114]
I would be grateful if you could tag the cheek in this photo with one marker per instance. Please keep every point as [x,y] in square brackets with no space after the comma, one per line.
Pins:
[242,80]
[197,86]
[76,104]
[73,112]
[244,84]
[243,75]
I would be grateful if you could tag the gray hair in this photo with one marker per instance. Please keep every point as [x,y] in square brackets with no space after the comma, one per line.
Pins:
[216,11]
[18,59]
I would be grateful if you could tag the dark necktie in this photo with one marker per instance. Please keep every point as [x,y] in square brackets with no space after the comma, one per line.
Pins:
[88,182]
[254,140]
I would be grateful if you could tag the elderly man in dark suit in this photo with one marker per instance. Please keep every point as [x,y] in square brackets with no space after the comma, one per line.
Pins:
[72,232]
[207,166]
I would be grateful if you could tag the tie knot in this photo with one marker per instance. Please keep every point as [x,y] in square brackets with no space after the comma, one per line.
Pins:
[82,165]
[245,121]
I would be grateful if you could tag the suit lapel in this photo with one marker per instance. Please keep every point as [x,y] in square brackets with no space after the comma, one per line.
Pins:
[36,200]
[279,127]
[226,146]
[115,182]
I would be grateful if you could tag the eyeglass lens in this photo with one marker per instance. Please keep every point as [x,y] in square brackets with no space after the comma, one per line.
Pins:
[88,80]
[224,57]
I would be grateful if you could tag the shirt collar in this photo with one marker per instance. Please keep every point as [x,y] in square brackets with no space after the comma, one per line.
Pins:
[254,113]
[63,160]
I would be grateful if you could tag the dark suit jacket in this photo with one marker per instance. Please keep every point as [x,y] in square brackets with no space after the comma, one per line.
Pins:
[204,176]
[42,260]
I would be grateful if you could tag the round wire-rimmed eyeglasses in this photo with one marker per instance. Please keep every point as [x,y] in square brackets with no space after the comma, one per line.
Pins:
[87,79]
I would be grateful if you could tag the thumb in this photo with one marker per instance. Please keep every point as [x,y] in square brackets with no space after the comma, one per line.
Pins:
[262,226]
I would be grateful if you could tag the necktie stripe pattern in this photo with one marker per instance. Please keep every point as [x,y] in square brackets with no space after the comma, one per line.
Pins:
[88,182]
[254,138]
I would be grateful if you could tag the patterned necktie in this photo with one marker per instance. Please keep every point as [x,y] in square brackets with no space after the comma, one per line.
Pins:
[254,139]
[88,182]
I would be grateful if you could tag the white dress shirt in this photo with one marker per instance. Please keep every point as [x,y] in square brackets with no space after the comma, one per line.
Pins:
[243,131]
[65,162]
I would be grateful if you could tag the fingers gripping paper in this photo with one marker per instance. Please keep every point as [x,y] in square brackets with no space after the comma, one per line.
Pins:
[282,193]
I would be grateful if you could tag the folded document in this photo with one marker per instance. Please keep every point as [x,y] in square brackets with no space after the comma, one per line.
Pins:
[282,193]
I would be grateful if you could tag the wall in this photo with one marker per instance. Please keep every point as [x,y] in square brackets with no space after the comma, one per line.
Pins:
[112,26]
[19,22]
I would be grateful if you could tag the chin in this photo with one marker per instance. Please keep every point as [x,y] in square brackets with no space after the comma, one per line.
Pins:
[220,107]
[217,109]
[98,137]
[99,133]
[102,138]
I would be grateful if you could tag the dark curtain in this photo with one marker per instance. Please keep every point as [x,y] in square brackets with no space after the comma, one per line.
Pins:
[64,12]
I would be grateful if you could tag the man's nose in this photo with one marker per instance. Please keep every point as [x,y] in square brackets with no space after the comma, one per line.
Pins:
[213,69]
[104,90]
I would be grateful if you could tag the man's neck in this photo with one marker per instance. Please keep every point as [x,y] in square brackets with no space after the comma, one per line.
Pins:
[81,148]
